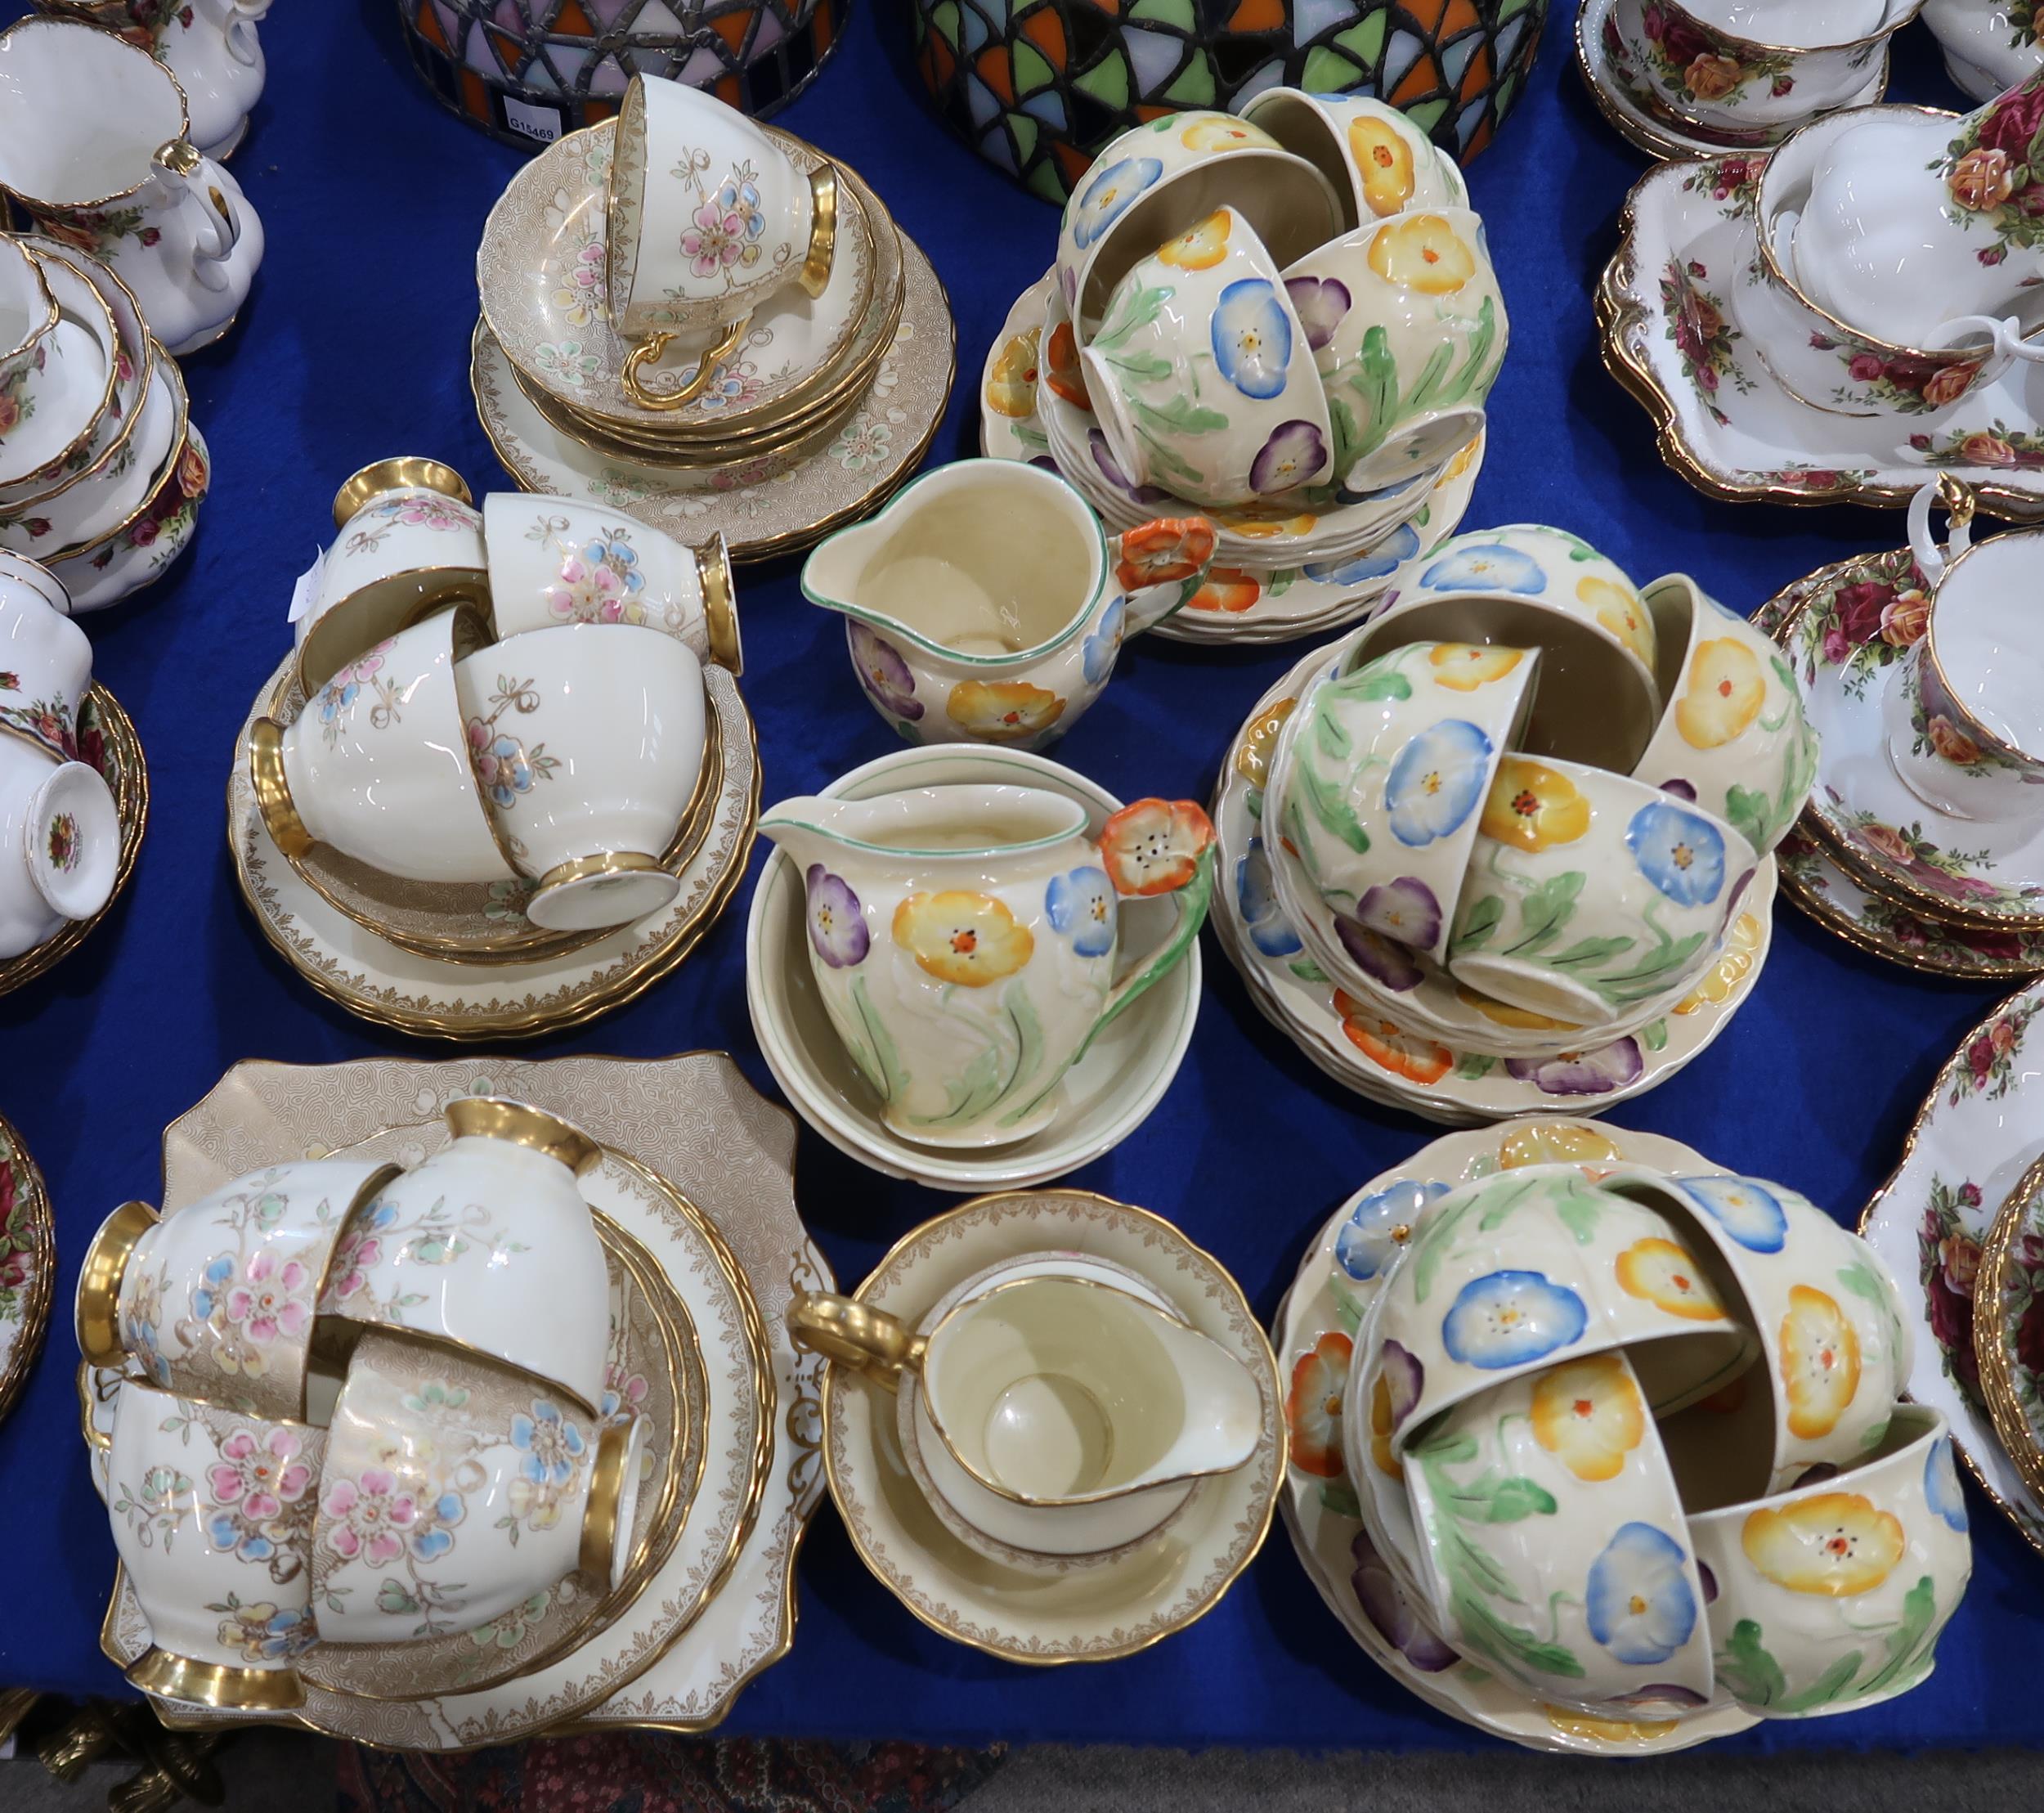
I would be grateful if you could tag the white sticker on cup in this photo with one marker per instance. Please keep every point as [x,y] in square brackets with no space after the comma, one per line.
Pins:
[307,589]
[543,123]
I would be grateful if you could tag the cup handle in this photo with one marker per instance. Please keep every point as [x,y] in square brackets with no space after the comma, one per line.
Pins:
[1160,566]
[654,344]
[200,181]
[1195,892]
[870,1341]
[1959,503]
[2005,338]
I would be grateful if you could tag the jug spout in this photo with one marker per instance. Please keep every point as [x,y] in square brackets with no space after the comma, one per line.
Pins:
[807,827]
[1224,1410]
[831,575]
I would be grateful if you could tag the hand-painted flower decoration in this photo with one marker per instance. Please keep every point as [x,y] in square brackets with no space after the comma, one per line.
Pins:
[61,844]
[596,583]
[1061,368]
[1202,247]
[1617,608]
[1412,1056]
[554,1450]
[1423,252]
[1941,1485]
[258,1473]
[264,1631]
[1602,1071]
[1080,904]
[1735,963]
[1391,1615]
[1259,738]
[1003,711]
[369,1516]
[1435,781]
[1320,303]
[1555,1142]
[1380,561]
[1104,200]
[1819,1361]
[1463,666]
[1588,1414]
[1221,132]
[1296,454]
[1383,160]
[1682,853]
[1749,1212]
[1405,910]
[1534,807]
[836,922]
[1313,1406]
[714,240]
[971,940]
[1155,847]
[1835,1545]
[1097,653]
[1252,338]
[1724,694]
[1404,1379]
[432,1534]
[888,679]
[1510,1318]
[1667,1276]
[1011,388]
[1639,1602]
[1387,963]
[504,768]
[1168,551]
[272,1300]
[1256,897]
[1380,1225]
[1110,469]
[1230,590]
[1486,567]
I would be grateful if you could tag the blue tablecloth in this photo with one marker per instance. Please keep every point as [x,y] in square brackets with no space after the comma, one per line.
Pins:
[355,344]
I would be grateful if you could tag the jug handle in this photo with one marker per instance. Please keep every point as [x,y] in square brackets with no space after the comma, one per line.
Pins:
[200,178]
[1160,567]
[869,1341]
[1959,503]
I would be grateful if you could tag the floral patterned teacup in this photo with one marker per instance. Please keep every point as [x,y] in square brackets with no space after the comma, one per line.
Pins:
[61,834]
[211,1513]
[46,660]
[1379,163]
[454,1489]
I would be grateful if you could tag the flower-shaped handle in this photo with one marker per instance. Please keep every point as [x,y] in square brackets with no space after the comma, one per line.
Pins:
[1150,848]
[1160,566]
[199,184]
[654,344]
[868,1340]
[1959,504]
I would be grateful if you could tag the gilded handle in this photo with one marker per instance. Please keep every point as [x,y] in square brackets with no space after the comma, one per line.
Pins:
[654,344]
[199,179]
[842,1329]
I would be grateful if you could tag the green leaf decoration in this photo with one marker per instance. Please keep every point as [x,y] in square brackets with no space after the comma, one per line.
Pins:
[1342,420]
[1333,741]
[1655,1036]
[1745,1666]
[1579,1210]
[1373,682]
[1478,924]
[877,1058]
[1858,1277]
[1749,814]
[1504,1501]
[1910,1643]
[1306,970]
[1029,1045]
[392,1597]
[1181,414]
[1339,1498]
[1544,911]
[1332,809]
[1444,1450]
[1374,379]
[1139,308]
[1590,951]
[1433,376]
[1476,1065]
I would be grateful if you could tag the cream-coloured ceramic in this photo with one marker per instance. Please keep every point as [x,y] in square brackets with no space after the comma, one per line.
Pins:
[1989,45]
[1202,373]
[984,604]
[45,660]
[102,161]
[1830,1597]
[554,561]
[139,548]
[57,373]
[487,1245]
[1408,330]
[60,824]
[964,939]
[587,741]
[1160,179]
[1379,162]
[212,1512]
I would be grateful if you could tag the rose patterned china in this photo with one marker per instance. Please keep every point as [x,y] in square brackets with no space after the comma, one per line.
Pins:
[1047,1615]
[983,602]
[2006,1289]
[137,550]
[45,660]
[60,822]
[1989,45]
[212,47]
[102,161]
[1159,180]
[57,376]
[1115,1083]
[554,561]
[1388,1616]
[19,572]
[1379,164]
[1389,1054]
[27,1258]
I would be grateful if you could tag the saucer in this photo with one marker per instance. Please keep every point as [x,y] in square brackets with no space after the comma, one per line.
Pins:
[28,1263]
[440,998]
[1354,1043]
[762,507]
[105,740]
[1830,625]
[1601,60]
[1089,1614]
[1108,1093]
[2009,1302]
[1985,52]
[1664,311]
[1313,1335]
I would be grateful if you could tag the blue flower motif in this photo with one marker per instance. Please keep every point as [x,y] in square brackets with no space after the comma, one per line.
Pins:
[1364,1246]
[231,1536]
[1380,561]
[432,1535]
[1436,781]
[552,1446]
[1750,1213]
[1510,1318]
[1681,854]
[1270,930]
[1639,1604]
[1107,197]
[1252,338]
[217,1274]
[1081,904]
[1096,656]
[1487,567]
[1941,1484]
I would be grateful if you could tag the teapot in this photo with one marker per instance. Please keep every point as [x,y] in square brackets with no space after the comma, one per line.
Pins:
[964,939]
[985,605]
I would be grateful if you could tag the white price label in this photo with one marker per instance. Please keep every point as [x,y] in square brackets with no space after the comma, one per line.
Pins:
[306,592]
[543,123]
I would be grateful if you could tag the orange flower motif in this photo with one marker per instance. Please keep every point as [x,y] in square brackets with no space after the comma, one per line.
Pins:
[1153,846]
[1423,252]
[1983,179]
[1313,1406]
[1463,666]
[1712,78]
[1011,385]
[1203,247]
[1062,371]
[1836,1544]
[1588,1414]
[1252,754]
[1003,711]
[1951,742]
[1384,160]
[1419,1061]
[1904,618]
[1227,589]
[1665,1275]
[1156,554]
[1223,133]
[1949,383]
[1263,528]
[1820,1362]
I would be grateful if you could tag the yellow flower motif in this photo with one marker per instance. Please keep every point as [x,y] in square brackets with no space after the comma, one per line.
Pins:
[1583,1725]
[1503,1013]
[1223,133]
[1380,1425]
[1740,943]
[1011,388]
[1005,710]
[1588,1414]
[1202,248]
[1820,1362]
[1262,528]
[1555,1142]
[1724,695]
[1617,607]
[962,937]
[1664,1275]
[1532,807]
[1422,252]
[1252,754]
[1384,159]
[1836,1544]
[1463,666]
[1459,464]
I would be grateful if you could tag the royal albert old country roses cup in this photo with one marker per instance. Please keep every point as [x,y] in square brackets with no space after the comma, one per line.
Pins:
[56,374]
[45,660]
[59,843]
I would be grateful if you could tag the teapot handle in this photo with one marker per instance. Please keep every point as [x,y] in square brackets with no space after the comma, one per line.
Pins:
[1160,566]
[1959,504]
[869,1341]
[197,179]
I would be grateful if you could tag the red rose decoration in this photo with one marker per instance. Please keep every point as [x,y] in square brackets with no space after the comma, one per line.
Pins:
[1859,609]
[2014,123]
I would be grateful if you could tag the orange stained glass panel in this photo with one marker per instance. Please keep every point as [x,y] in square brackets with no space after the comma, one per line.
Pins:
[429,26]
[1046,30]
[1477,77]
[1421,80]
[570,21]
[1257,15]
[731,28]
[993,69]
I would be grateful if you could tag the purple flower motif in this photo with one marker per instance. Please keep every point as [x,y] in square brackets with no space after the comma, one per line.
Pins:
[1735,893]
[1681,789]
[837,928]
[1384,1604]
[1708,1579]
[1295,454]
[1320,303]
[1403,1377]
[1110,469]
[882,671]
[1814,1475]
[1378,957]
[1663,1693]
[1597,1072]
[1405,909]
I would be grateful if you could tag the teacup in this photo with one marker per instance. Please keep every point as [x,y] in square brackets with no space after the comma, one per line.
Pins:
[454,1489]
[1830,1597]
[587,742]
[56,374]
[62,833]
[1379,163]
[409,544]
[554,561]
[216,1302]
[46,661]
[160,528]
[100,156]
[212,1512]
[377,763]
[1407,327]
[1202,373]
[705,219]
[19,570]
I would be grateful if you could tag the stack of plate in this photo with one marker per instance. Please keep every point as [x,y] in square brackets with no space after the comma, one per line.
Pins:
[824,404]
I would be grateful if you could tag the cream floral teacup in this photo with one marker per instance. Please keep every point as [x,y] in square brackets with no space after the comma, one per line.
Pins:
[61,834]
[1379,163]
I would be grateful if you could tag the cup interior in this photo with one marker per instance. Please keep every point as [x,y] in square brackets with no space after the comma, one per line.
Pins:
[86,110]
[1987,642]
[24,302]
